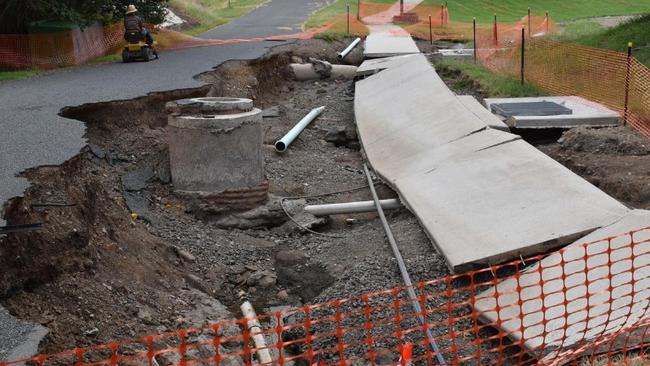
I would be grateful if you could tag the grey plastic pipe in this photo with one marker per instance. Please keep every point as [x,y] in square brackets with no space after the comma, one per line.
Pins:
[402,268]
[351,207]
[349,49]
[283,144]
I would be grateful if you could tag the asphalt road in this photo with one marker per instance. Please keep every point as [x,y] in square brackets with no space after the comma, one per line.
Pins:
[31,132]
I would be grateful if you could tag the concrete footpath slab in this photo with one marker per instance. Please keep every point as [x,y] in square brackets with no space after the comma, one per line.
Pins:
[483,113]
[585,113]
[496,204]
[398,114]
[482,195]
[595,287]
[388,40]
[373,66]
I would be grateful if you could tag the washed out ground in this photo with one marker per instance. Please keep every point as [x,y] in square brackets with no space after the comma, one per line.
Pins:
[96,272]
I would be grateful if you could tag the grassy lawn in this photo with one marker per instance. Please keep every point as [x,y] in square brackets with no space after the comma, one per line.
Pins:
[324,15]
[466,76]
[560,10]
[507,10]
[212,13]
[636,31]
[16,75]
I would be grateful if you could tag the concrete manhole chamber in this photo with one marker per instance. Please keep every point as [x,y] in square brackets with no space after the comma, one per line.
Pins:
[215,150]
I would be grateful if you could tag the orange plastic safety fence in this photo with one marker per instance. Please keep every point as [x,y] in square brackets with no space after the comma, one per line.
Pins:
[577,305]
[58,49]
[562,68]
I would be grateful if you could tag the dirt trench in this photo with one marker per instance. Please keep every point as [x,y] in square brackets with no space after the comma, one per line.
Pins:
[115,263]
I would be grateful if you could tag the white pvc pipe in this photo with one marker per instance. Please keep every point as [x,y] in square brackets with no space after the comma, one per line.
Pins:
[254,327]
[346,51]
[283,144]
[351,207]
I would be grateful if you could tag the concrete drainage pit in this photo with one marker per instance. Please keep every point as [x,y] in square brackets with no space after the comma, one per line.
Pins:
[215,151]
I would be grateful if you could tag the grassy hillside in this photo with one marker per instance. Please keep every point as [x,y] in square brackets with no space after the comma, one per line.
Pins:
[560,10]
[636,31]
[336,7]
[212,13]
[508,10]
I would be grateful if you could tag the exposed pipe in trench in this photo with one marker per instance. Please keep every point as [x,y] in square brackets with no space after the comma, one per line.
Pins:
[255,328]
[351,207]
[349,49]
[402,268]
[283,144]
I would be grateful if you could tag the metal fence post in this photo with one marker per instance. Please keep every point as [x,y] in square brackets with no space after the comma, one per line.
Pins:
[442,15]
[627,83]
[358,9]
[529,23]
[523,54]
[496,31]
[348,25]
[548,20]
[475,44]
[430,30]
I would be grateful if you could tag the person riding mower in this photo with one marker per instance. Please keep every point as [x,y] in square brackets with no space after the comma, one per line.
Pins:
[140,43]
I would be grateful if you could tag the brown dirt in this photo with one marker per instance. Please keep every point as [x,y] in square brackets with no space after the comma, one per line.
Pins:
[617,160]
[95,274]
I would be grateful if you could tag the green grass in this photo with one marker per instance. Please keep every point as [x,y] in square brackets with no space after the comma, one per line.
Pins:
[560,10]
[506,10]
[17,75]
[578,29]
[337,7]
[212,13]
[467,76]
[636,31]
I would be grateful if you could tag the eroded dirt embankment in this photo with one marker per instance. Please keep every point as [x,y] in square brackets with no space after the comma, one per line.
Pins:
[97,273]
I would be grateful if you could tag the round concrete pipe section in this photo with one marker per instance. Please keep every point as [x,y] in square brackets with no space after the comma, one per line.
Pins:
[217,150]
[209,105]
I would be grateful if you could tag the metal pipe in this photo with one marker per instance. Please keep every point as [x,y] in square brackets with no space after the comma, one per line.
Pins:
[351,207]
[349,49]
[254,327]
[402,268]
[283,144]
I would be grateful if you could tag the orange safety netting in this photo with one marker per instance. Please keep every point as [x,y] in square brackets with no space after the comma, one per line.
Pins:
[586,303]
[18,51]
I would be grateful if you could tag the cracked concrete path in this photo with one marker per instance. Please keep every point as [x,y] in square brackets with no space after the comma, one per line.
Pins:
[34,135]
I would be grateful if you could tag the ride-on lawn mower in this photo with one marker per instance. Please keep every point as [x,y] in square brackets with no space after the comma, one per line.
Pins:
[136,49]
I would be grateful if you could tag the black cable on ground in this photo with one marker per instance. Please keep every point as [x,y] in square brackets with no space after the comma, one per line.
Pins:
[317,196]
[402,268]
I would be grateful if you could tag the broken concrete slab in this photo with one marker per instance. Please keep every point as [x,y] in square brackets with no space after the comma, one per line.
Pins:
[373,66]
[430,157]
[398,113]
[584,113]
[18,339]
[483,113]
[595,287]
[508,200]
[388,40]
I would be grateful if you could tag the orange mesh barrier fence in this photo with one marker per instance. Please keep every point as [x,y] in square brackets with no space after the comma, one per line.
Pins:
[58,49]
[580,305]
[562,68]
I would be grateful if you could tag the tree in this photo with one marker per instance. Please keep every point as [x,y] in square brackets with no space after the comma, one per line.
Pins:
[16,15]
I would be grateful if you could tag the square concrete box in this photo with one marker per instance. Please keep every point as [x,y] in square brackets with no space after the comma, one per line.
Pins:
[583,113]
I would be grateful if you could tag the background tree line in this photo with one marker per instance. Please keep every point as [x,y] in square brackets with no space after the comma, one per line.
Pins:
[17,15]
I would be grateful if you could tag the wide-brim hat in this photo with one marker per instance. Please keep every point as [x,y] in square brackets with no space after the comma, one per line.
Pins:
[131,9]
